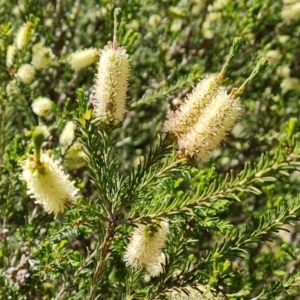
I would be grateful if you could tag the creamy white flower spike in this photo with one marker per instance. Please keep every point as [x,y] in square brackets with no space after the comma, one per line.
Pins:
[42,106]
[111,84]
[203,120]
[26,73]
[10,55]
[41,56]
[83,58]
[213,125]
[23,35]
[187,115]
[200,124]
[47,183]
[145,247]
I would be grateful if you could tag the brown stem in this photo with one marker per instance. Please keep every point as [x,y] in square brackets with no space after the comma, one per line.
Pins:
[110,232]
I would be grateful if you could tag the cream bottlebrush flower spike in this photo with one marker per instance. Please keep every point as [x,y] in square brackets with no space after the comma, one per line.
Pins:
[204,119]
[45,179]
[111,84]
[111,81]
[24,35]
[187,115]
[145,247]
[216,120]
[208,114]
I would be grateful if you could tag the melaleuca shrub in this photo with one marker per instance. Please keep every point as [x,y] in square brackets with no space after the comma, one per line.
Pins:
[147,165]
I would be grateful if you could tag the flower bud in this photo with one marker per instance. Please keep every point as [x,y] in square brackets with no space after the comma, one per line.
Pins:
[43,130]
[75,157]
[111,84]
[39,134]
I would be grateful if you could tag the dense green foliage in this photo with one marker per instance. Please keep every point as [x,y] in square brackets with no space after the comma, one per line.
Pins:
[233,220]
